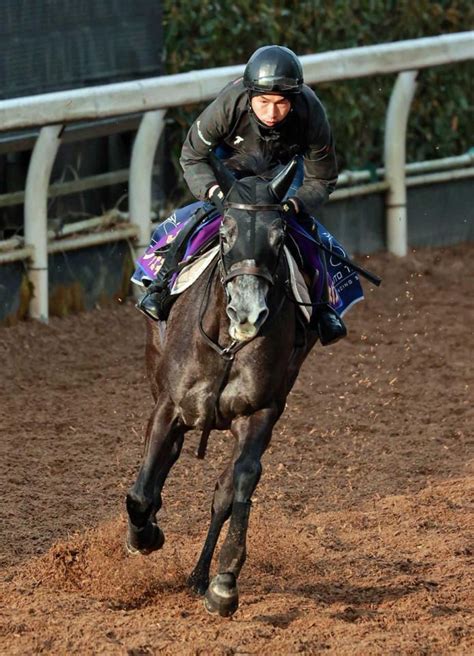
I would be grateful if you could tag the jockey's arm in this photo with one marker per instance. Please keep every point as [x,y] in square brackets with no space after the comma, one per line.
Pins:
[207,131]
[320,167]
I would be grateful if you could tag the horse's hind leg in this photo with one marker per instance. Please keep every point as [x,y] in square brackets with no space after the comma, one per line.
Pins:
[220,512]
[253,434]
[162,448]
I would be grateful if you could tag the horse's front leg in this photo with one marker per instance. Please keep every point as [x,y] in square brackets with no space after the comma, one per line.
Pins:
[253,434]
[165,435]
[220,512]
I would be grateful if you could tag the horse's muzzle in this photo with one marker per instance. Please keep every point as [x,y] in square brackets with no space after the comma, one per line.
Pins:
[246,308]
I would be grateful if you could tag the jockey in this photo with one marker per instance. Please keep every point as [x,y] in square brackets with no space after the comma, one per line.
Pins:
[269,111]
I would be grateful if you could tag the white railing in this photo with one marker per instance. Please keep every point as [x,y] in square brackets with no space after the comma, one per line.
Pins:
[154,96]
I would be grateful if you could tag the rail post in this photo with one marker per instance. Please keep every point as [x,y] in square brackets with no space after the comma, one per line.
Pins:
[141,173]
[395,156]
[36,217]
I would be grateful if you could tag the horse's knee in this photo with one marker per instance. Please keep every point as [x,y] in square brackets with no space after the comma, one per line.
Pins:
[247,472]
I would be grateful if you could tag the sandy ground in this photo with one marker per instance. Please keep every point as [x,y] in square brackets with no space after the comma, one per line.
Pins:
[360,539]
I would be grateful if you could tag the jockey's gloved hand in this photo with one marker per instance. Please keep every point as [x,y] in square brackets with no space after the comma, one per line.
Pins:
[216,196]
[293,207]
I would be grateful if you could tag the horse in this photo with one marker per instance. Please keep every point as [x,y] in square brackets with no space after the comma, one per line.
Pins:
[232,349]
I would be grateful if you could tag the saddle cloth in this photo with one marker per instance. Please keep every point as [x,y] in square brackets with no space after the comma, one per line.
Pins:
[191,273]
[344,283]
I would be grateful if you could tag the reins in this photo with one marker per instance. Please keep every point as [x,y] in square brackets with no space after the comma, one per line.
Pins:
[255,207]
[227,353]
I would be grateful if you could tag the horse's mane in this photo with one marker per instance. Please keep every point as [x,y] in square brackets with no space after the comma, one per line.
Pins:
[251,164]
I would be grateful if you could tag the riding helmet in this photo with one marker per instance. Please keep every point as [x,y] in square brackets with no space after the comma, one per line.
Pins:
[273,69]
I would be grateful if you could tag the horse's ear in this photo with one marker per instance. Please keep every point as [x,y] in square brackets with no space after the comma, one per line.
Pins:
[281,182]
[224,177]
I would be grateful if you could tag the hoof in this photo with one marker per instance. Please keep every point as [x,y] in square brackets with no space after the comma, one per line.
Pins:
[222,596]
[198,583]
[144,541]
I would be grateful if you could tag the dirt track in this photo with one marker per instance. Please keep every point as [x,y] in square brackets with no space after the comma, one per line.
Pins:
[360,539]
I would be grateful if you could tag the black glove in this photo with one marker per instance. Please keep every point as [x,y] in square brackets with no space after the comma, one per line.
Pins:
[302,216]
[217,199]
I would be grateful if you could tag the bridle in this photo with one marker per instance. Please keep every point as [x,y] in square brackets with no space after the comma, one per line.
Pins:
[227,353]
[248,269]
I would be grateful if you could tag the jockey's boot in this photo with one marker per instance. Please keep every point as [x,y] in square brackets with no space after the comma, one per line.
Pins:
[156,302]
[325,321]
[328,324]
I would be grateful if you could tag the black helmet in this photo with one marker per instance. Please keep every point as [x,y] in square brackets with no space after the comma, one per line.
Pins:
[273,69]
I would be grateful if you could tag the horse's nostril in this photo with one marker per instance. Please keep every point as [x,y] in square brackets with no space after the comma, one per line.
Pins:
[232,314]
[262,317]
[253,317]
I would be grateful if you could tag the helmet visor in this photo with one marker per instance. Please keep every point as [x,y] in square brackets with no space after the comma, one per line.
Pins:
[283,84]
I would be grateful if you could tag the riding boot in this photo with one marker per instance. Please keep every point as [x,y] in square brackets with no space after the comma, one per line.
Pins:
[328,324]
[157,301]
[325,321]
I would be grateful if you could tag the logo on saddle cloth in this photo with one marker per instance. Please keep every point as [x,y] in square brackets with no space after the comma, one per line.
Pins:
[153,261]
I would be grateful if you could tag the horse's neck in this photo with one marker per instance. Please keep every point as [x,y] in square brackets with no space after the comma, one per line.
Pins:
[212,303]
[279,288]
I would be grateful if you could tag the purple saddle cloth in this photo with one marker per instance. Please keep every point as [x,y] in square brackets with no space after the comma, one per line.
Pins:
[346,289]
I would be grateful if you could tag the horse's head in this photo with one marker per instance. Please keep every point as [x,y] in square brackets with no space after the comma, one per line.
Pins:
[251,238]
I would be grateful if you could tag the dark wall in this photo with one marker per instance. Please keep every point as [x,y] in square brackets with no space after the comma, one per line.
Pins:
[441,214]
[78,280]
[49,45]
[437,215]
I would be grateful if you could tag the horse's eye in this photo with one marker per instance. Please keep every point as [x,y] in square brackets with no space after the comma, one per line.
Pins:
[276,236]
[227,233]
[225,242]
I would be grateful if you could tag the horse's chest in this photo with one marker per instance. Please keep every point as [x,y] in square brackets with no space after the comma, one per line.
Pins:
[246,392]
[240,394]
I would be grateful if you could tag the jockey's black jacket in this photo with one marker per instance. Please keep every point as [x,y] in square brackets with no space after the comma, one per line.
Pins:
[230,122]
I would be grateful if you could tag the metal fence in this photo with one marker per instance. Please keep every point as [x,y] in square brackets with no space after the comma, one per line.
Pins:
[53,111]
